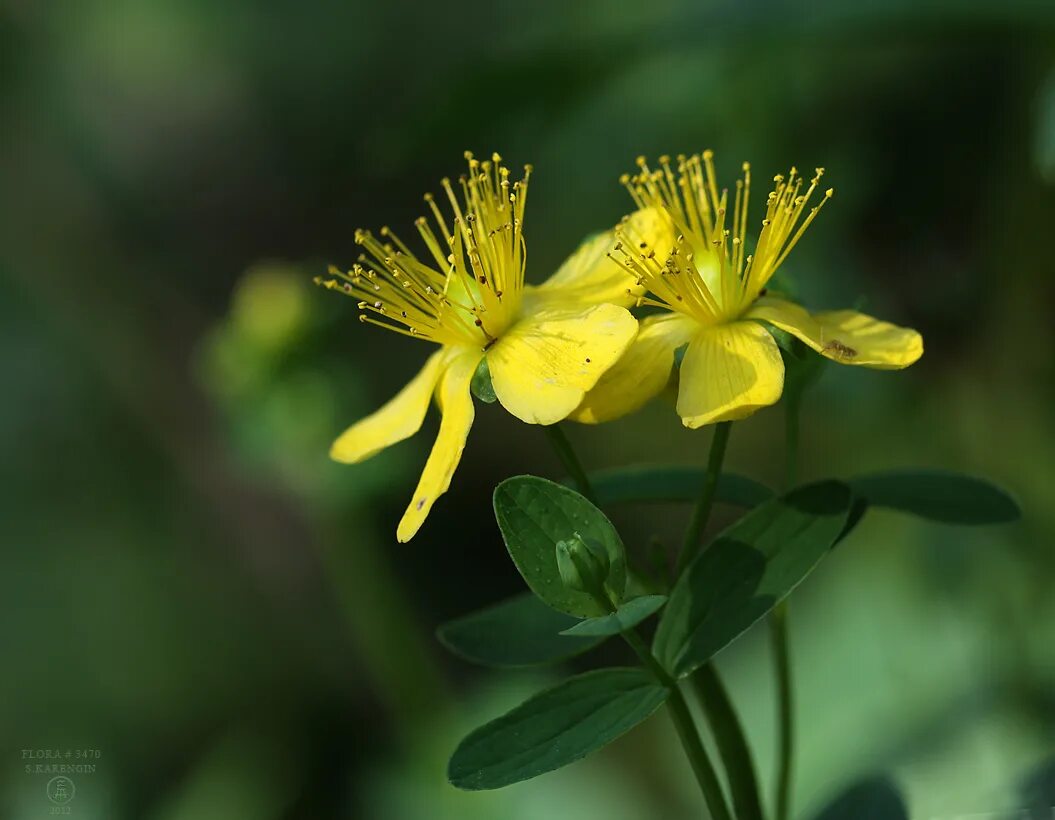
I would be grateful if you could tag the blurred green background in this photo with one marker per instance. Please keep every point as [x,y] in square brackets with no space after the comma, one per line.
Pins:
[191,587]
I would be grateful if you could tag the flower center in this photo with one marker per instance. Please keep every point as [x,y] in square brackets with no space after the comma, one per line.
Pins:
[707,273]
[467,289]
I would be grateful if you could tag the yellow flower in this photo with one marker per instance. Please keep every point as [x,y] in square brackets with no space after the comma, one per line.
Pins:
[715,297]
[545,346]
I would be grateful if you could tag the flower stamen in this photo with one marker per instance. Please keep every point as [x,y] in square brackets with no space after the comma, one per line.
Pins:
[708,273]
[467,289]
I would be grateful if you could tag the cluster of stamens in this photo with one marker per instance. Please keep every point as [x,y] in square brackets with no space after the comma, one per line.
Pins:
[707,273]
[467,288]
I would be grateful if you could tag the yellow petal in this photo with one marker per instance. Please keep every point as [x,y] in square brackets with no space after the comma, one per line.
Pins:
[399,419]
[640,374]
[542,367]
[844,336]
[729,371]
[456,404]
[590,276]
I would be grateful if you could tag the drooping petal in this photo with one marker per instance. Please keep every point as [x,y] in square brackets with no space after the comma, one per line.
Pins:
[397,420]
[640,374]
[542,367]
[590,276]
[729,371]
[844,336]
[456,404]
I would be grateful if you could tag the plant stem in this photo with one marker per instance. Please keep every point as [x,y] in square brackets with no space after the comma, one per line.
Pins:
[687,732]
[778,626]
[693,535]
[566,453]
[778,630]
[732,744]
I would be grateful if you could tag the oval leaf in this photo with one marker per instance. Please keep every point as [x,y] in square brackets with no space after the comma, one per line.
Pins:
[951,498]
[520,631]
[555,727]
[534,514]
[629,615]
[748,569]
[672,483]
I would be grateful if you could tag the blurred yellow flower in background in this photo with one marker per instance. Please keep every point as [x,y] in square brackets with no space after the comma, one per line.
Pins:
[545,346]
[715,297]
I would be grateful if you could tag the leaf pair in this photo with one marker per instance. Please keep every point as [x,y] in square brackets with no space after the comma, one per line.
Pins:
[533,513]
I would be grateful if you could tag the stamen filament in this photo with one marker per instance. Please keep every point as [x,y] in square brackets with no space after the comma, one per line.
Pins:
[707,273]
[467,290]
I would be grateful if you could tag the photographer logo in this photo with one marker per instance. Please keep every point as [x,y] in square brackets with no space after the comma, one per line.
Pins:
[60,790]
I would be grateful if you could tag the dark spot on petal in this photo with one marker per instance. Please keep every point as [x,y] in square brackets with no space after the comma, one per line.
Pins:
[837,348]
[587,360]
[420,504]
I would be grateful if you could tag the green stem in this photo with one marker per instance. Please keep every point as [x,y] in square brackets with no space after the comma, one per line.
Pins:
[687,732]
[566,453]
[694,534]
[778,630]
[731,741]
[778,625]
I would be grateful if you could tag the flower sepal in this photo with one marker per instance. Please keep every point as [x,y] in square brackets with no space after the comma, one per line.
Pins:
[481,385]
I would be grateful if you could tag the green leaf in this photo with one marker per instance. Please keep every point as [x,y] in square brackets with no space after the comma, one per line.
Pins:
[874,799]
[555,727]
[672,483]
[481,385]
[627,616]
[520,631]
[939,496]
[748,569]
[534,514]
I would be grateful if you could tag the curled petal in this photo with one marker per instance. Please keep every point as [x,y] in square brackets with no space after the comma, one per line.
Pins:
[844,336]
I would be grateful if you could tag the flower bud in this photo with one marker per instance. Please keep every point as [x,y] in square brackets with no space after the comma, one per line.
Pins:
[583,565]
